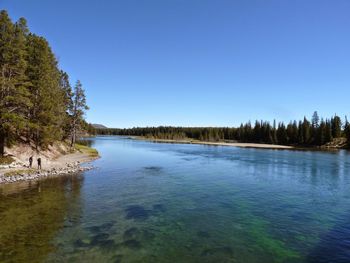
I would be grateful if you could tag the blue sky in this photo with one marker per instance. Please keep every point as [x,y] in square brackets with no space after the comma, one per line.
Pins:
[199,62]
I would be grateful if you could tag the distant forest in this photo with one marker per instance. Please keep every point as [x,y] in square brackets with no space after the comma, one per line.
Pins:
[306,133]
[37,102]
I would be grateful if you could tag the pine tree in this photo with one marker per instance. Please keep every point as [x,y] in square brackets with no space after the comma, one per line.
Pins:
[315,136]
[347,131]
[282,134]
[315,120]
[328,131]
[306,131]
[48,110]
[68,102]
[321,139]
[35,95]
[14,95]
[274,132]
[77,111]
[336,126]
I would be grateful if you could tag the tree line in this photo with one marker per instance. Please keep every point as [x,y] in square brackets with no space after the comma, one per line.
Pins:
[37,101]
[314,132]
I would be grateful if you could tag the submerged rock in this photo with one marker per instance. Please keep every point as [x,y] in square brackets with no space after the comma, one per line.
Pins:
[99,239]
[225,250]
[136,212]
[132,244]
[159,208]
[203,234]
[79,243]
[105,227]
[94,229]
[108,245]
[118,259]
[131,233]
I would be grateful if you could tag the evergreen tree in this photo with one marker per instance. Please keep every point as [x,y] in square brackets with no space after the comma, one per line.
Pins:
[274,132]
[306,132]
[14,95]
[328,131]
[347,131]
[321,138]
[47,113]
[77,111]
[336,126]
[35,95]
[68,102]
[282,134]
[315,135]
[315,120]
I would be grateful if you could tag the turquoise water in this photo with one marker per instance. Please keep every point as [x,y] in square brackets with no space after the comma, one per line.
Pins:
[149,202]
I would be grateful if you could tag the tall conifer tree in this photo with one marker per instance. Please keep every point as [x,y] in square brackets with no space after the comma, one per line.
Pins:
[77,110]
[14,95]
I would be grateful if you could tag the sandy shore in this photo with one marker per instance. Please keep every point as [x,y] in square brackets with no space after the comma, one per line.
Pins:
[243,145]
[64,164]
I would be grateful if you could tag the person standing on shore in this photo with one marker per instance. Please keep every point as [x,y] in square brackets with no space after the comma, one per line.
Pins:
[30,161]
[39,163]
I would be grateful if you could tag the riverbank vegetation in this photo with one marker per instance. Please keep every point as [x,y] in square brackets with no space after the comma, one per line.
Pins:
[305,133]
[87,150]
[37,102]
[6,160]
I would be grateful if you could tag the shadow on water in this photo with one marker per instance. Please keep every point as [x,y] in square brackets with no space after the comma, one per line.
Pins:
[32,217]
[139,213]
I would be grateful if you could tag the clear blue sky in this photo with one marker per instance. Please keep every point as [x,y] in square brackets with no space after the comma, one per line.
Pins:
[199,62]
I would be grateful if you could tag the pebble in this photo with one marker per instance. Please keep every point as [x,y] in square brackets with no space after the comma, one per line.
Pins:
[12,165]
[71,168]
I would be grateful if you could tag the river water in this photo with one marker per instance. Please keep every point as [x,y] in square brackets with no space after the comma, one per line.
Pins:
[157,202]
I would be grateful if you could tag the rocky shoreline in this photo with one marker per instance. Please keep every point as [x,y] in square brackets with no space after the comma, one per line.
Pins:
[29,175]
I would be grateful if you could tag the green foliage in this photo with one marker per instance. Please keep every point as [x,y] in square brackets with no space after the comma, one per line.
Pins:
[305,133]
[336,126]
[48,108]
[14,93]
[36,99]
[77,109]
[347,132]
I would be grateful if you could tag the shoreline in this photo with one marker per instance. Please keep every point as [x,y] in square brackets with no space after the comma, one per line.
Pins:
[231,144]
[63,165]
[239,144]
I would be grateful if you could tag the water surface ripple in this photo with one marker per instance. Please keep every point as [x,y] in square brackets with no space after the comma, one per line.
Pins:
[149,202]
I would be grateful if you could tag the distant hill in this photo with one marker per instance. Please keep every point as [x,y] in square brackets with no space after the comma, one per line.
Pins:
[99,126]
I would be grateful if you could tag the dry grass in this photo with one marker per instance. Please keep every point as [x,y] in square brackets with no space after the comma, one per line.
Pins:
[87,150]
[19,172]
[6,160]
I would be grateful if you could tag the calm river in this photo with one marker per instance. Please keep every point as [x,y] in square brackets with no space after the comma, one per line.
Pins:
[153,202]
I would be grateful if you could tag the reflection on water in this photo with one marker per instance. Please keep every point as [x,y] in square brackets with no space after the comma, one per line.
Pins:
[149,202]
[32,214]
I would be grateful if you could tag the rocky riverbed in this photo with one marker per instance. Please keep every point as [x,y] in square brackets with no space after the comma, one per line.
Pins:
[32,174]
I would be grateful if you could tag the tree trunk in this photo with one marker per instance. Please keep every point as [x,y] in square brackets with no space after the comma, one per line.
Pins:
[2,143]
[73,140]
[73,137]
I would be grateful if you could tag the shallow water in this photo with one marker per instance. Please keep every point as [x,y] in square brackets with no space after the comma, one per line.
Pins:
[149,202]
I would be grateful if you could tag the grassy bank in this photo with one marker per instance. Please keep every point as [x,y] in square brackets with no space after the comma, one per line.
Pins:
[20,172]
[86,150]
[6,160]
